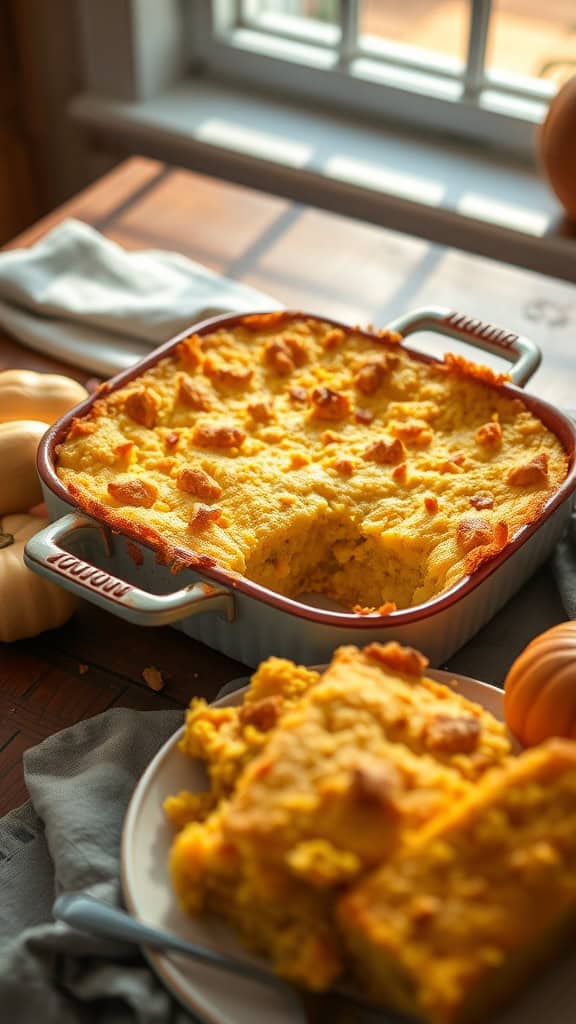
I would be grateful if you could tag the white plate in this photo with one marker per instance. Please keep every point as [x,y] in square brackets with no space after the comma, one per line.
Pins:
[221,998]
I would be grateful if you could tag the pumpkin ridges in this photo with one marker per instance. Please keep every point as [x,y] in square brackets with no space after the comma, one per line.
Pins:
[540,689]
[539,662]
[20,484]
[543,716]
[557,146]
[538,647]
[30,603]
[517,700]
[25,395]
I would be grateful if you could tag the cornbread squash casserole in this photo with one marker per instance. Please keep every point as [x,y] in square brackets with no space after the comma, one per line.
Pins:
[485,893]
[310,459]
[315,781]
[369,822]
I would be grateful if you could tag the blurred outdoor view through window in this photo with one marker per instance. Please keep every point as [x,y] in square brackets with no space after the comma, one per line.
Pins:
[533,38]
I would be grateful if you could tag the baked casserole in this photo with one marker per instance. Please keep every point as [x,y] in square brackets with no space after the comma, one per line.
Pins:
[372,823]
[310,459]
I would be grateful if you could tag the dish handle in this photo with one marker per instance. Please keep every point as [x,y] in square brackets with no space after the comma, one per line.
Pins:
[44,555]
[521,351]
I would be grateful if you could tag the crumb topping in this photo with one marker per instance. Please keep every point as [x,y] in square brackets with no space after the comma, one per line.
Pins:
[142,407]
[193,480]
[135,492]
[530,473]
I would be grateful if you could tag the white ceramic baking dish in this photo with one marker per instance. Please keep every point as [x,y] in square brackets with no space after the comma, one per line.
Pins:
[248,622]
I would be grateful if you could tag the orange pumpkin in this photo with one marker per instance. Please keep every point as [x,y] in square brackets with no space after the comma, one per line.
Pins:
[557,146]
[540,688]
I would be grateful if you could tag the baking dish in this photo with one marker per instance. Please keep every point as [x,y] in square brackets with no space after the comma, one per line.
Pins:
[246,621]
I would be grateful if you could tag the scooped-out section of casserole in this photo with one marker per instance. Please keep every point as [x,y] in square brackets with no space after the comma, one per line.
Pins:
[313,460]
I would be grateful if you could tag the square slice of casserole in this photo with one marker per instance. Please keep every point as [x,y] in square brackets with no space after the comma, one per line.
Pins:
[462,917]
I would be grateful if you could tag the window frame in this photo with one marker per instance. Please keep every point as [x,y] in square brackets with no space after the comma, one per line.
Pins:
[411,88]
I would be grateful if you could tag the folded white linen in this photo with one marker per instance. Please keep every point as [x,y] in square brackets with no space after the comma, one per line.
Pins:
[79,297]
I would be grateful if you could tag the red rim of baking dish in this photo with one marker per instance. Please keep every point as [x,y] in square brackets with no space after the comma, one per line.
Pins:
[552,418]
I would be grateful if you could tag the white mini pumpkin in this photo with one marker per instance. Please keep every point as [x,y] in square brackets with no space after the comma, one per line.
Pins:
[26,395]
[20,486]
[29,604]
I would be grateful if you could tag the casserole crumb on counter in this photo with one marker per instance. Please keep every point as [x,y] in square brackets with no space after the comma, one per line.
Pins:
[311,458]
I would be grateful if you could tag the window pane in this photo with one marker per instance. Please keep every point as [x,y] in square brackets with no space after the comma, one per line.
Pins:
[439,26]
[535,38]
[317,10]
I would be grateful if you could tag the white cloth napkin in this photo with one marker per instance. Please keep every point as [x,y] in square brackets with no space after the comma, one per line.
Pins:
[81,298]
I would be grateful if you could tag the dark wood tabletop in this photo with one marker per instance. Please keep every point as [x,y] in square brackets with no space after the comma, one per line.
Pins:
[309,260]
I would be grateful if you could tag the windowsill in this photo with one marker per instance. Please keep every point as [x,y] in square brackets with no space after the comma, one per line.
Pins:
[440,190]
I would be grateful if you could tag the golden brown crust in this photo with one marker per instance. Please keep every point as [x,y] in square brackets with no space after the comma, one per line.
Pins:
[413,431]
[142,407]
[489,435]
[400,473]
[483,499]
[364,416]
[261,411]
[534,472]
[462,367]
[262,714]
[278,357]
[473,531]
[233,375]
[385,609]
[345,467]
[192,394]
[172,440]
[398,659]
[203,518]
[193,480]
[385,452]
[189,351]
[206,436]
[453,734]
[135,492]
[480,555]
[333,338]
[371,376]
[329,404]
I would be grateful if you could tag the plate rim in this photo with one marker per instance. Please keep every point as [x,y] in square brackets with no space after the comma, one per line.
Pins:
[167,972]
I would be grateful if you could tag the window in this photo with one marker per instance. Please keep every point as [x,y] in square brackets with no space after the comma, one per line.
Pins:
[482,69]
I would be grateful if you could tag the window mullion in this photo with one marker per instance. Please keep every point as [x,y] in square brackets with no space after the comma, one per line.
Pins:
[237,12]
[477,41]
[349,22]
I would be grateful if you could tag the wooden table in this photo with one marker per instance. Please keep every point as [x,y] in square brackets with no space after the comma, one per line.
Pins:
[310,260]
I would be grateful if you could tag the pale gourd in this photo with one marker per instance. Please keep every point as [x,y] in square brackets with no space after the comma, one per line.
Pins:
[19,482]
[540,688]
[26,395]
[29,604]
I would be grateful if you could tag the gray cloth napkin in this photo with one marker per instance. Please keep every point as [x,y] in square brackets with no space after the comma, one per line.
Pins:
[79,297]
[67,838]
[564,567]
